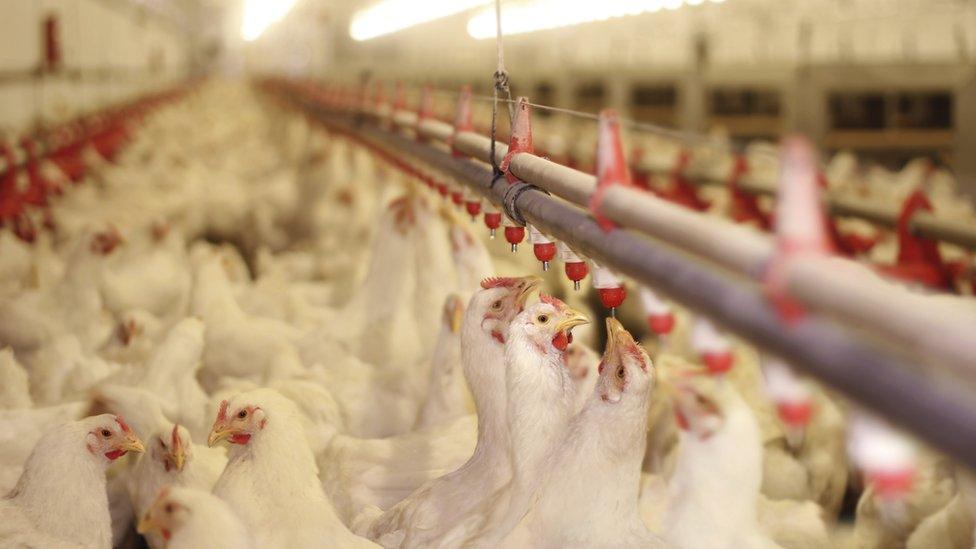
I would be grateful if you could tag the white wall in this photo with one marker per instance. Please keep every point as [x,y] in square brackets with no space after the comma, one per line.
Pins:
[741,34]
[111,51]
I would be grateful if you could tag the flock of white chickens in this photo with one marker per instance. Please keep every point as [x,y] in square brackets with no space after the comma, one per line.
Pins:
[248,332]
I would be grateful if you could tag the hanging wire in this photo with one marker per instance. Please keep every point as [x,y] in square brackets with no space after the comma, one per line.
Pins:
[633,125]
[500,84]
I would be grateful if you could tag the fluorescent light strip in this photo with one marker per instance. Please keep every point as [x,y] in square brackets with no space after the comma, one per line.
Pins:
[261,14]
[390,16]
[537,15]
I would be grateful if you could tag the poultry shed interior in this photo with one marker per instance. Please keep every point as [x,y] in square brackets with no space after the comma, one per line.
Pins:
[695,274]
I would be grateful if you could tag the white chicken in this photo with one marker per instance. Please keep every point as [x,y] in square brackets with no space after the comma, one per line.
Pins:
[271,479]
[60,499]
[541,402]
[432,510]
[719,442]
[590,496]
[188,518]
[448,397]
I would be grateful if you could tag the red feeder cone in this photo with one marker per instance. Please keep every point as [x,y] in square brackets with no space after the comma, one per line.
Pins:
[457,197]
[426,108]
[493,219]
[889,459]
[379,100]
[612,293]
[800,223]
[472,205]
[442,189]
[462,118]
[712,348]
[514,234]
[575,268]
[399,104]
[521,142]
[792,398]
[543,248]
[611,164]
[660,318]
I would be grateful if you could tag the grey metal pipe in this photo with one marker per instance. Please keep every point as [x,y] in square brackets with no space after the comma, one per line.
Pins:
[938,411]
[731,246]
[856,295]
[925,224]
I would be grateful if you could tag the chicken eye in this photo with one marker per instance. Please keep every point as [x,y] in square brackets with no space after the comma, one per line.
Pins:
[169,508]
[542,319]
[242,414]
[621,373]
[106,433]
[496,305]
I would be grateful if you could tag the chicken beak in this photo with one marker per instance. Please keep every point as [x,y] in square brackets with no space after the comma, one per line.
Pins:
[570,319]
[614,328]
[457,315]
[132,444]
[219,433]
[146,524]
[179,458]
[529,284]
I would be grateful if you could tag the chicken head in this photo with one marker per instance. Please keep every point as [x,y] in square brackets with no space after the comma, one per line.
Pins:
[699,401]
[500,299]
[165,516]
[549,324]
[109,436]
[171,452]
[237,425]
[625,367]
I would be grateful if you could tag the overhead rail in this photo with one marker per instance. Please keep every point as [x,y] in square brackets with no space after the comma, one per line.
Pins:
[855,294]
[704,173]
[904,361]
[926,224]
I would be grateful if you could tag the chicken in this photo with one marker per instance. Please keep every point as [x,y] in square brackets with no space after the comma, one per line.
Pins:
[712,495]
[15,267]
[448,397]
[170,375]
[172,459]
[583,364]
[433,508]
[541,402]
[952,526]
[236,343]
[365,476]
[271,479]
[14,386]
[880,523]
[188,518]
[590,495]
[149,274]
[60,499]
[31,319]
[136,334]
[21,428]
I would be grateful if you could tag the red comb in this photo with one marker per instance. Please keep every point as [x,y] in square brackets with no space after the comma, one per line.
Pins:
[499,282]
[548,299]
[123,424]
[222,413]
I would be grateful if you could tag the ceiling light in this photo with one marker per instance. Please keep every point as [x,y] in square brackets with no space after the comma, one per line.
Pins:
[390,16]
[536,15]
[261,14]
